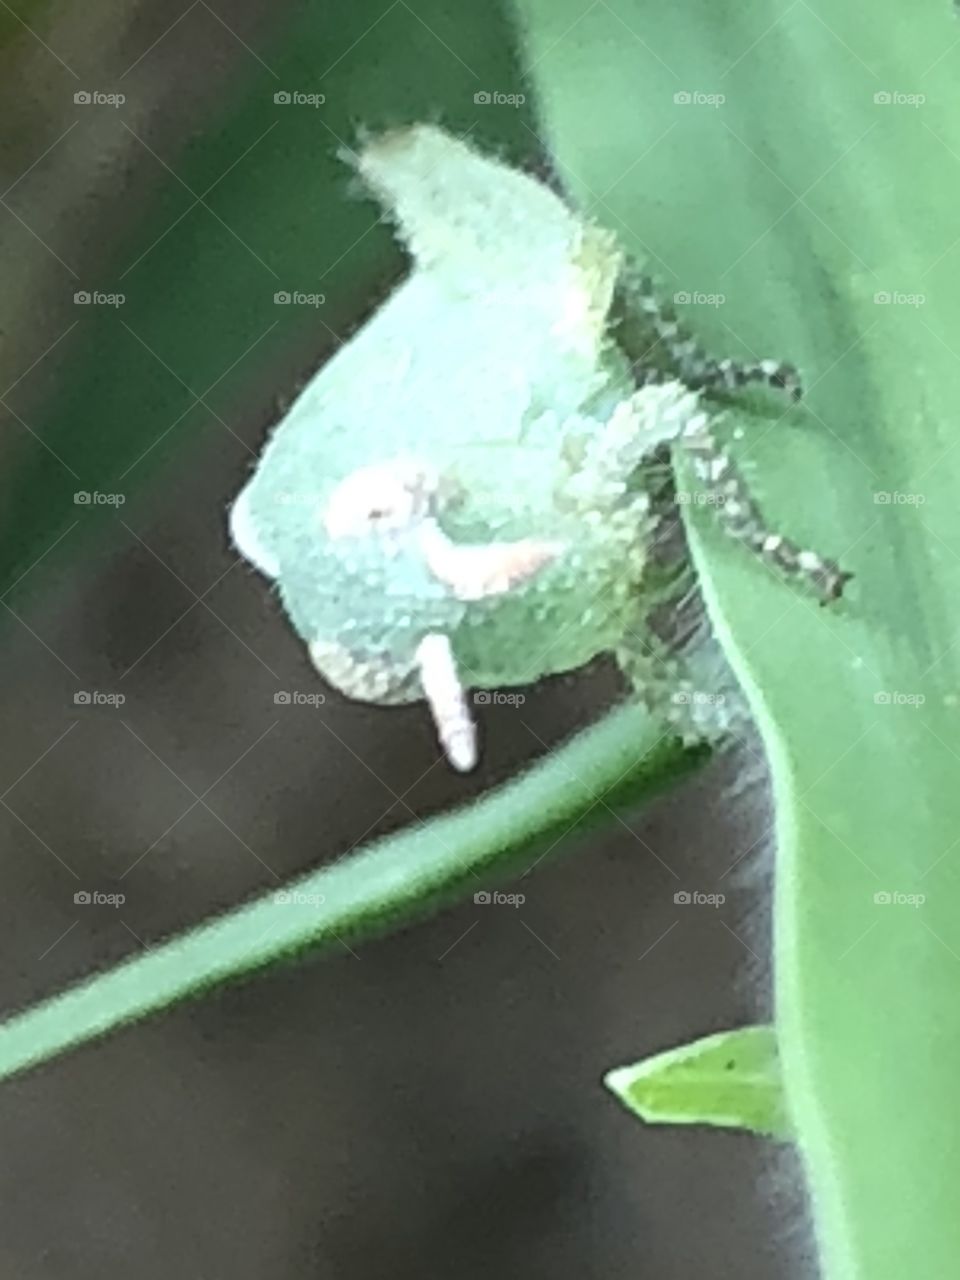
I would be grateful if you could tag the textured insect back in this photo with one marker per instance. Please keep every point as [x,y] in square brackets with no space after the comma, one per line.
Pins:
[484,228]
[451,215]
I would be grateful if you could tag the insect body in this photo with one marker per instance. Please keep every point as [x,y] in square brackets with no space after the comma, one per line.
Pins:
[457,499]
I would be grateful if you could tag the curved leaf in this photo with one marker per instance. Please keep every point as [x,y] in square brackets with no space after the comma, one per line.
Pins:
[800,167]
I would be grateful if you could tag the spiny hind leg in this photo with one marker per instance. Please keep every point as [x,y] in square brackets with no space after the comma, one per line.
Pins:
[666,651]
[665,689]
[724,488]
[688,360]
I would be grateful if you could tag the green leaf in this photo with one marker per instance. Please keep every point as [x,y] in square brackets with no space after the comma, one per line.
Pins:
[826,216]
[730,1080]
[621,761]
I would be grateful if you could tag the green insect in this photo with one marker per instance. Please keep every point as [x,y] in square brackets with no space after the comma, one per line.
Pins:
[461,497]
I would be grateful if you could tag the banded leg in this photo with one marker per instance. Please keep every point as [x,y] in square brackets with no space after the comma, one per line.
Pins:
[738,513]
[692,364]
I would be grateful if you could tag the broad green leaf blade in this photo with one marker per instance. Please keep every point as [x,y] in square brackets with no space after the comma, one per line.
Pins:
[730,1080]
[819,199]
[620,761]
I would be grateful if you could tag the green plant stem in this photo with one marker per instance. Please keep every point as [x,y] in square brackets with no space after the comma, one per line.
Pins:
[620,761]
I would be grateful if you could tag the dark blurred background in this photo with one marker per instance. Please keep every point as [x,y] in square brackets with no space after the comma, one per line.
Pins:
[425,1105]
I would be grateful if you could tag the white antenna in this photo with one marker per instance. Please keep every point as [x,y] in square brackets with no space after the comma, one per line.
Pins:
[447,700]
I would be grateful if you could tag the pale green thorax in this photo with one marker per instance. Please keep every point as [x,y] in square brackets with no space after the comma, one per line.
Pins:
[453,500]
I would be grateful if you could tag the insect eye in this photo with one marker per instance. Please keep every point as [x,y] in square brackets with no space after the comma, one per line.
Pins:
[388,496]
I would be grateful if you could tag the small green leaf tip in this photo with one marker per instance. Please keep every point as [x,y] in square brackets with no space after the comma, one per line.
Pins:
[730,1080]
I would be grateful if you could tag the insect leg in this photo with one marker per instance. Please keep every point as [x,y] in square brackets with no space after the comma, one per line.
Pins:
[726,490]
[687,359]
